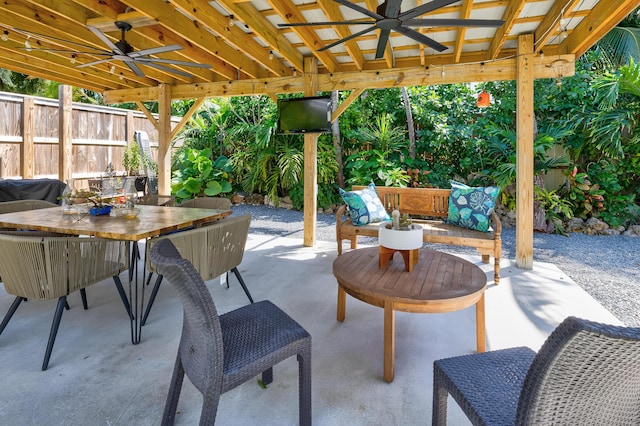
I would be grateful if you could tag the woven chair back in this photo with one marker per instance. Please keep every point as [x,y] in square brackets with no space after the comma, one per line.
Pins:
[212,249]
[44,268]
[585,373]
[216,203]
[22,205]
[201,341]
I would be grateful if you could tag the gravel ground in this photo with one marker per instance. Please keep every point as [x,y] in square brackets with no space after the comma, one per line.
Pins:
[607,267]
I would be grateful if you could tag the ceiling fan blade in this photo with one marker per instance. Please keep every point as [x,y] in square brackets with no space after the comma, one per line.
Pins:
[391,8]
[135,68]
[311,24]
[167,69]
[90,64]
[171,62]
[155,50]
[360,9]
[425,8]
[105,40]
[352,36]
[382,43]
[453,22]
[420,38]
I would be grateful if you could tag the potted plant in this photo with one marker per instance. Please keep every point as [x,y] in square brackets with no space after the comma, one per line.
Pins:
[133,162]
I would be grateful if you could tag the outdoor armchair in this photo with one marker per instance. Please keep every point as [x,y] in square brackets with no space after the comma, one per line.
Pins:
[218,353]
[44,268]
[586,373]
[213,249]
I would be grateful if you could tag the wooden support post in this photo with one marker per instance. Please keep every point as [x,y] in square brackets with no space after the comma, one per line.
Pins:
[65,133]
[524,153]
[310,159]
[27,153]
[164,139]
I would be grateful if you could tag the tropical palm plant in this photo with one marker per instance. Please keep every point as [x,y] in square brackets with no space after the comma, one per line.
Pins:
[622,43]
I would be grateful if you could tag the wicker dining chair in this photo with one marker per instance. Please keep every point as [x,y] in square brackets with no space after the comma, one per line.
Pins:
[44,268]
[586,373]
[213,250]
[219,353]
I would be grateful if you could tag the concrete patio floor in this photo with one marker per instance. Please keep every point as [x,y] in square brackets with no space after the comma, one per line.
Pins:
[97,377]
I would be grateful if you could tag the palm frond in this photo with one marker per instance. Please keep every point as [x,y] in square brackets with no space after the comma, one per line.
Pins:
[621,44]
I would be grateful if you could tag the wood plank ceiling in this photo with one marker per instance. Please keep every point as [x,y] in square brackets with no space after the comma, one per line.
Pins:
[248,52]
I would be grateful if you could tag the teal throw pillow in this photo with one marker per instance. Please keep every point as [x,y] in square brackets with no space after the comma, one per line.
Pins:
[364,205]
[472,207]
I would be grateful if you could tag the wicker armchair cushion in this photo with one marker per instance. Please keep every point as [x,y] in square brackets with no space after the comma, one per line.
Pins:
[586,373]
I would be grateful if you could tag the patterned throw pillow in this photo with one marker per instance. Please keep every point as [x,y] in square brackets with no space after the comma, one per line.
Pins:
[364,205]
[472,207]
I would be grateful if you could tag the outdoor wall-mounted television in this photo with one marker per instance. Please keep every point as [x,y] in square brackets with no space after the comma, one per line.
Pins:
[304,115]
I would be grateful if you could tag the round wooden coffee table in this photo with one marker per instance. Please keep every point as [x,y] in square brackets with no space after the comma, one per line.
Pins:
[439,282]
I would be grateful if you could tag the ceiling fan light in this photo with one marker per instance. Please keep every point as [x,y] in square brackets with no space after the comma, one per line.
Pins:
[5,35]
[484,100]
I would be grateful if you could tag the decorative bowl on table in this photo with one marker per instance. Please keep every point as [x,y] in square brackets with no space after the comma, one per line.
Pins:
[126,212]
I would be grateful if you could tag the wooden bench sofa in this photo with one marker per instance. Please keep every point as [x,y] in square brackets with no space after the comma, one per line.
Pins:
[432,204]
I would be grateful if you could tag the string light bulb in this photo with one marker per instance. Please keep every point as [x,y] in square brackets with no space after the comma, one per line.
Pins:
[73,58]
[121,76]
[231,23]
[27,44]
[563,23]
[271,55]
[5,35]
[443,73]
[112,69]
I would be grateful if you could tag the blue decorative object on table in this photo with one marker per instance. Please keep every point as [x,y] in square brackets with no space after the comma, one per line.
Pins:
[364,205]
[100,210]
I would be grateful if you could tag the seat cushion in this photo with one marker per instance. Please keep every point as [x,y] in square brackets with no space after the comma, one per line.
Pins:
[364,206]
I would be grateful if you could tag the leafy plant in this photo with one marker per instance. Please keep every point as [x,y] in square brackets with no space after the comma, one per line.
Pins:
[557,208]
[394,177]
[195,174]
[132,159]
[586,197]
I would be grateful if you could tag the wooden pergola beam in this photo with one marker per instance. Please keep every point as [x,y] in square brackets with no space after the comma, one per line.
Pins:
[501,69]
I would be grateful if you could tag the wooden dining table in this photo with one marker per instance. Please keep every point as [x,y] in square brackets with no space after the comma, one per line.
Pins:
[151,222]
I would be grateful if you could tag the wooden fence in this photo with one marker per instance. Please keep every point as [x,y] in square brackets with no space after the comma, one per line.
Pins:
[29,137]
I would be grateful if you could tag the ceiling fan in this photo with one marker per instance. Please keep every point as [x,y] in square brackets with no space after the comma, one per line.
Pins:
[123,51]
[119,51]
[388,17]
